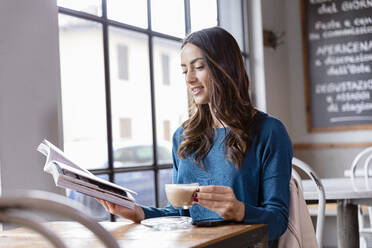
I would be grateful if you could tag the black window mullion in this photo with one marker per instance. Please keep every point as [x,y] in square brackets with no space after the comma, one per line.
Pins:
[244,21]
[126,26]
[218,12]
[153,109]
[80,14]
[108,94]
[187,17]
[245,47]
[165,36]
[131,169]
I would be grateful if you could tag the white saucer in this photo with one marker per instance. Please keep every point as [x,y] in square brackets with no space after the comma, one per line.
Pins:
[168,222]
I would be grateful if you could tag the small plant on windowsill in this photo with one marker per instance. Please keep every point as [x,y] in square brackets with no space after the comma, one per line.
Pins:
[272,39]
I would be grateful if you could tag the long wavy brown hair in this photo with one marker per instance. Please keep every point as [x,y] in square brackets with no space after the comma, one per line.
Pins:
[229,99]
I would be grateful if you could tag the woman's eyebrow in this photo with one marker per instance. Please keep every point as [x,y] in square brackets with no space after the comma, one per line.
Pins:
[193,61]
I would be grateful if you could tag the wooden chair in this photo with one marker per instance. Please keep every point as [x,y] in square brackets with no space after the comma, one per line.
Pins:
[21,208]
[302,166]
[363,158]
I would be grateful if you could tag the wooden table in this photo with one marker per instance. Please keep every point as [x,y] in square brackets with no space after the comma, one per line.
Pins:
[342,191]
[136,235]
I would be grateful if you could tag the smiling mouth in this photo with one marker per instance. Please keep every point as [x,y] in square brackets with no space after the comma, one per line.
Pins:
[195,91]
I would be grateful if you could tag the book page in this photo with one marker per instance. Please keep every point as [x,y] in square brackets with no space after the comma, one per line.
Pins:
[96,186]
[120,200]
[94,178]
[74,177]
[53,153]
[97,194]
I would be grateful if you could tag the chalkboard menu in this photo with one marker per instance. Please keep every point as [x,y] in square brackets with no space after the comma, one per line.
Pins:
[337,41]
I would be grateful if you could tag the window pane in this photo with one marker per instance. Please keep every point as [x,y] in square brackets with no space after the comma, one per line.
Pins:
[93,7]
[203,14]
[93,208]
[128,11]
[140,181]
[171,98]
[168,16]
[231,19]
[130,99]
[83,91]
[165,176]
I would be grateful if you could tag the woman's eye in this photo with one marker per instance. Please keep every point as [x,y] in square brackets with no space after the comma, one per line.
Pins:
[184,72]
[199,67]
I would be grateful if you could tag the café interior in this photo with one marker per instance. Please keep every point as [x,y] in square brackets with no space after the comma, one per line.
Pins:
[100,79]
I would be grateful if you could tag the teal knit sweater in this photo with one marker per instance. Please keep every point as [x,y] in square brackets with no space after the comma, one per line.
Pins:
[262,182]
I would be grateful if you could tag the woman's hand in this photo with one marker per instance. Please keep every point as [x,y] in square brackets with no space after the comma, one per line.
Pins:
[135,215]
[222,200]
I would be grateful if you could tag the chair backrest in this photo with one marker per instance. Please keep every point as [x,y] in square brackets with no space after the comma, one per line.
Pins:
[12,210]
[300,165]
[364,154]
[367,163]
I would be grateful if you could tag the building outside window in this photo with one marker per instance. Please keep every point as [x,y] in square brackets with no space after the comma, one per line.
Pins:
[122,132]
[166,130]
[123,63]
[125,128]
[165,68]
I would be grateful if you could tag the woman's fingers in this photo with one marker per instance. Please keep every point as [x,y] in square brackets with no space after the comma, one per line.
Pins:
[229,210]
[106,205]
[224,209]
[214,196]
[136,214]
[211,204]
[215,189]
[215,193]
[109,207]
[222,200]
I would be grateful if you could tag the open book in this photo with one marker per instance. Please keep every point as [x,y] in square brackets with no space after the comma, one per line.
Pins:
[67,174]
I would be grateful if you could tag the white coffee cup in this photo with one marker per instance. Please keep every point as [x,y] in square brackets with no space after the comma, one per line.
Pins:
[180,195]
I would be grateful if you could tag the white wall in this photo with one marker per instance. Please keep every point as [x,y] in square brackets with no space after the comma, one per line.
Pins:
[29,91]
[276,66]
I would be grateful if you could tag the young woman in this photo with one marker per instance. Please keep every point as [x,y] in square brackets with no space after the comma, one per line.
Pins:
[241,157]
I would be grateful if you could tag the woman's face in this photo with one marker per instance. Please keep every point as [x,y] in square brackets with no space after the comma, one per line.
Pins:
[196,73]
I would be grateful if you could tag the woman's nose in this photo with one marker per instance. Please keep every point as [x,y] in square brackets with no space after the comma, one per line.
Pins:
[190,77]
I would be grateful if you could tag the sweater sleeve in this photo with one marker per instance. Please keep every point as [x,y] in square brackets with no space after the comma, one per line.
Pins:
[151,212]
[274,150]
